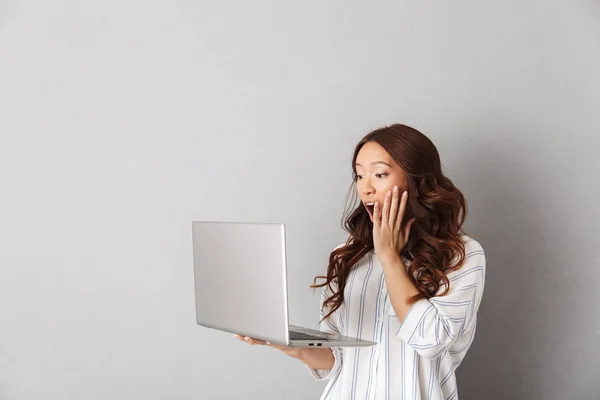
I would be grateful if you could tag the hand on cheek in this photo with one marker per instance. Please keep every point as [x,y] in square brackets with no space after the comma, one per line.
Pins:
[387,220]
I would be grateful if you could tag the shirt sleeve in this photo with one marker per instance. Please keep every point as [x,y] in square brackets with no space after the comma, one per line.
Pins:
[330,325]
[433,325]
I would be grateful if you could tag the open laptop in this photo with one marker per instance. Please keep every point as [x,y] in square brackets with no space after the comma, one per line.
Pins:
[241,284]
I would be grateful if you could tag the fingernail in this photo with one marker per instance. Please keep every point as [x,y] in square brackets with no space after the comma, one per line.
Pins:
[268,342]
[395,188]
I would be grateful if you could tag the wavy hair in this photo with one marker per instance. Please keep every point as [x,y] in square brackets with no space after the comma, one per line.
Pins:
[434,247]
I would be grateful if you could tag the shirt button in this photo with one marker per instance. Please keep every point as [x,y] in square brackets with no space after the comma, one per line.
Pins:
[383,290]
[380,319]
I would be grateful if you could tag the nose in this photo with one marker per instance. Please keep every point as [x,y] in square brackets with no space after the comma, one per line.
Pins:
[367,188]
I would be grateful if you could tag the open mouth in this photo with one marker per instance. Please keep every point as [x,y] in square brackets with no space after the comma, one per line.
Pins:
[370,209]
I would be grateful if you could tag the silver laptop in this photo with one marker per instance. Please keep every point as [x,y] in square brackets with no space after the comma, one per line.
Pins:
[241,285]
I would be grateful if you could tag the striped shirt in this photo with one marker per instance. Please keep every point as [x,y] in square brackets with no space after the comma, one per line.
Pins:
[415,359]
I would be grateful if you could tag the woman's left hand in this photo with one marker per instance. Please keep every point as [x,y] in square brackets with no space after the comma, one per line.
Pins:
[387,220]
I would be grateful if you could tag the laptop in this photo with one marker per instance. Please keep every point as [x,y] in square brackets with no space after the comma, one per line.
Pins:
[241,285]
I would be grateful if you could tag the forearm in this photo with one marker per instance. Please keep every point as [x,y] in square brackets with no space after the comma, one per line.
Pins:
[321,358]
[400,287]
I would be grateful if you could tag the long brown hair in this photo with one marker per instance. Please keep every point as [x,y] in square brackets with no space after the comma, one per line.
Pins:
[434,247]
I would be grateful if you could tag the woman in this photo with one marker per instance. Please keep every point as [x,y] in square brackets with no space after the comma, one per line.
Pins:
[407,278]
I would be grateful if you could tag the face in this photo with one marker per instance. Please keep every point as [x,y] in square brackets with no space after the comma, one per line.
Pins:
[377,173]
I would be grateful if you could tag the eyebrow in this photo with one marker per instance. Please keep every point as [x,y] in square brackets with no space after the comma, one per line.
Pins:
[375,162]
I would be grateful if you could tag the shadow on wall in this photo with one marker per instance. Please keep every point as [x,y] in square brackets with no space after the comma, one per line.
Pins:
[514,353]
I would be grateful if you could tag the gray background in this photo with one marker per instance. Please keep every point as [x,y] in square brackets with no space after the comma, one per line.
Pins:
[122,121]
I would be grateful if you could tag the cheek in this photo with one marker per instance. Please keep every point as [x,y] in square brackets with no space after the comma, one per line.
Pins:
[386,188]
[401,185]
[389,186]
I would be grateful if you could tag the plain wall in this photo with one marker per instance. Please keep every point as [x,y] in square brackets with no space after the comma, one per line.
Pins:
[123,121]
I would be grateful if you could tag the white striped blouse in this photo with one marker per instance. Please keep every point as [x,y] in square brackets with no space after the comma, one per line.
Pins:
[415,359]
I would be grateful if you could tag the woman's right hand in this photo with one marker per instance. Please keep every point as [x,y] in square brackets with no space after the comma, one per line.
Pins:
[313,357]
[295,352]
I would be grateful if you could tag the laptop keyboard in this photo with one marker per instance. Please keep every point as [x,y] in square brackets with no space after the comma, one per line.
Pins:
[305,336]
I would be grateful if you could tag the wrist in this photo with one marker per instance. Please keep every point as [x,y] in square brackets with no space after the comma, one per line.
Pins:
[389,257]
[298,353]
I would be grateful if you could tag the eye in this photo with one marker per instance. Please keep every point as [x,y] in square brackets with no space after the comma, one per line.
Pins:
[358,177]
[380,175]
